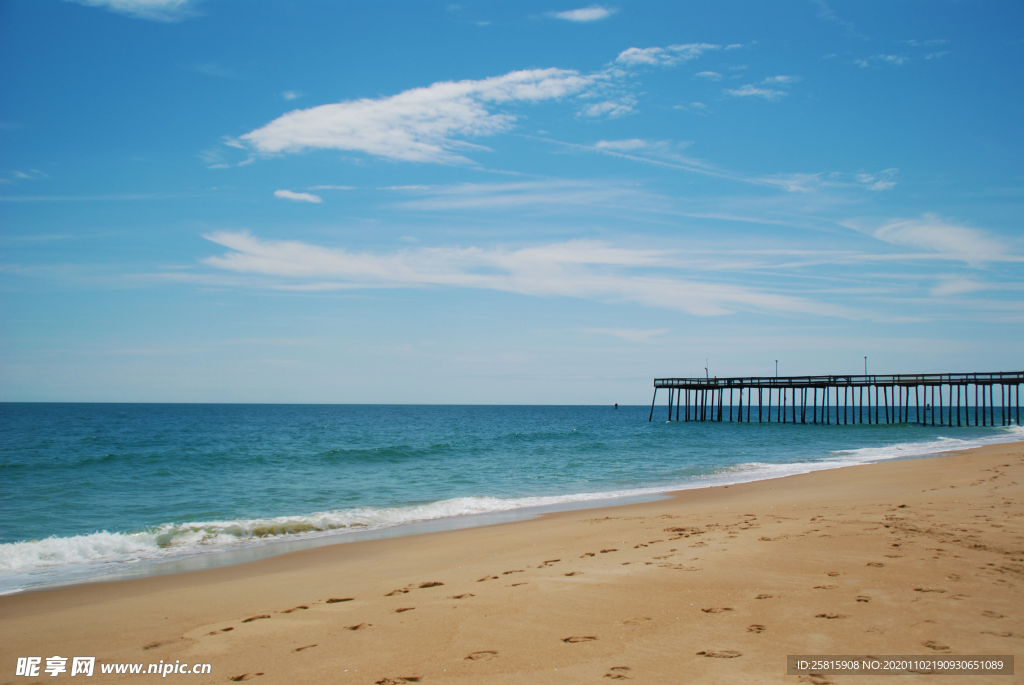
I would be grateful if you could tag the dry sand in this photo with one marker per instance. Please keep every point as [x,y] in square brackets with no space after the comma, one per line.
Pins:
[711,586]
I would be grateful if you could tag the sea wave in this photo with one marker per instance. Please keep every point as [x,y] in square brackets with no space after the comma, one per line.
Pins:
[103,551]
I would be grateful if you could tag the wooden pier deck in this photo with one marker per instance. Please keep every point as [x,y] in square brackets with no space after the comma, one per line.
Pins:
[926,399]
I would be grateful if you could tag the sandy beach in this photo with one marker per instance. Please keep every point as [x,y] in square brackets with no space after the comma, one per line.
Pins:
[716,585]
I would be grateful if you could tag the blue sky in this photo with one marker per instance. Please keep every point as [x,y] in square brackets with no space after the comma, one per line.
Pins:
[530,202]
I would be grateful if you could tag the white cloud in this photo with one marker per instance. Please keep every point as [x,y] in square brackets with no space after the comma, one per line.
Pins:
[956,286]
[630,144]
[666,57]
[883,180]
[291,94]
[580,269]
[298,197]
[734,46]
[933,234]
[156,10]
[610,108]
[892,60]
[585,14]
[753,91]
[781,80]
[710,75]
[549,194]
[30,175]
[418,125]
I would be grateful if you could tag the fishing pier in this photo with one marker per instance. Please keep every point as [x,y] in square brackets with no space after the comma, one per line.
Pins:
[936,399]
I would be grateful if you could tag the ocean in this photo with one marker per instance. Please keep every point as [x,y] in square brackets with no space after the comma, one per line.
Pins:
[100,491]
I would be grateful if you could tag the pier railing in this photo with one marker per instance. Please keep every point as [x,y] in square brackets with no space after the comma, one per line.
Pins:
[843,398]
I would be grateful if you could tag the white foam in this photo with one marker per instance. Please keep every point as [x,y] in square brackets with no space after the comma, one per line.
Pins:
[41,561]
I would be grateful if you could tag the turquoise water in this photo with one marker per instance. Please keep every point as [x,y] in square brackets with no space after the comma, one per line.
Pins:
[86,489]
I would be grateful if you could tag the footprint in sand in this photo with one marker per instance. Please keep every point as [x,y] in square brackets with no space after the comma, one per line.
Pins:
[462,596]
[932,644]
[605,551]
[764,597]
[487,578]
[398,611]
[517,584]
[400,591]
[225,630]
[717,610]
[992,614]
[431,583]
[579,638]
[586,554]
[288,611]
[505,573]
[863,598]
[720,654]
[548,562]
[756,628]
[398,680]
[299,649]
[484,655]
[574,573]
[927,589]
[830,616]
[239,678]
[816,679]
[618,673]
[152,645]
[359,626]
[825,587]
[335,600]
[256,618]
[833,574]
[875,564]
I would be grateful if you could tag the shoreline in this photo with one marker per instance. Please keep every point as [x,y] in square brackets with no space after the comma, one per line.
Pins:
[916,556]
[256,549]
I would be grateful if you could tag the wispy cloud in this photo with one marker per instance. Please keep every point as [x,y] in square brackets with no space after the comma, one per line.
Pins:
[750,90]
[215,69]
[956,286]
[554,194]
[30,175]
[154,10]
[298,197]
[419,125]
[586,14]
[781,80]
[883,180]
[828,14]
[709,75]
[579,269]
[934,234]
[291,94]
[664,57]
[610,108]
[881,59]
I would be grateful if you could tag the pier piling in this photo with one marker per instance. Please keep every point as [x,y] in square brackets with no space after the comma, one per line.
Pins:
[891,400]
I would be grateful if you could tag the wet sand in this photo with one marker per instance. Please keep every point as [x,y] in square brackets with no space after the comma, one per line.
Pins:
[718,585]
